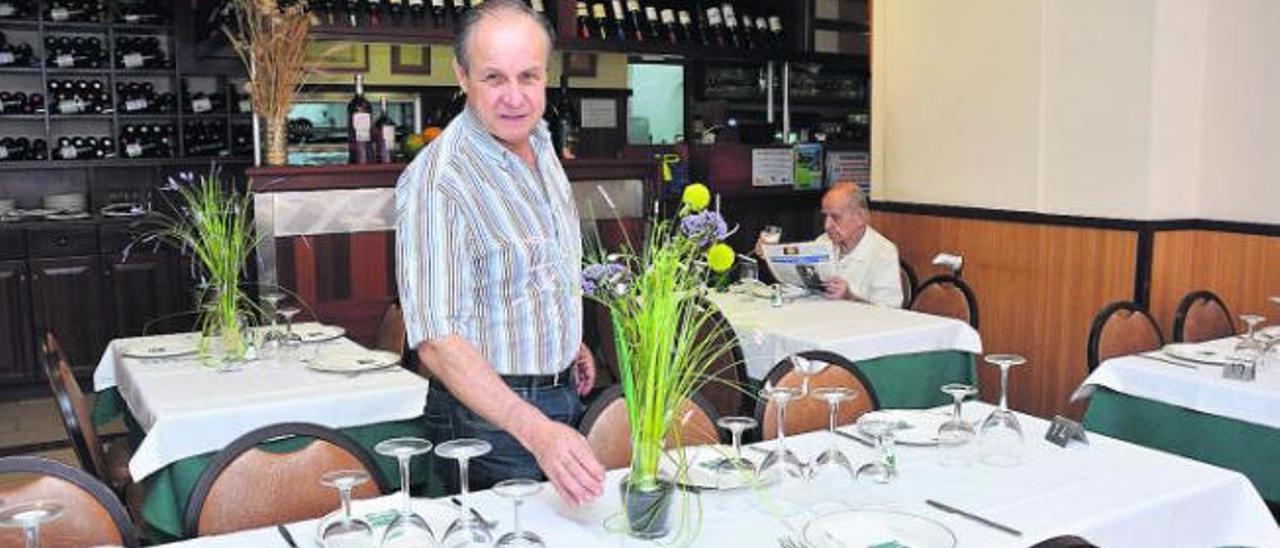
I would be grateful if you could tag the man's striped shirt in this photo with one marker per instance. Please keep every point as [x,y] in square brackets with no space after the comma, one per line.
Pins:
[490,250]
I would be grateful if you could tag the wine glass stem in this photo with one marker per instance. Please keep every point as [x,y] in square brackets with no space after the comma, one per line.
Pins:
[737,443]
[515,516]
[1004,387]
[32,534]
[463,482]
[404,484]
[782,419]
[344,493]
[956,400]
[832,408]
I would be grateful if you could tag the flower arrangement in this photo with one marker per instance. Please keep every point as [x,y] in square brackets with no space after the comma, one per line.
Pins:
[658,313]
[272,42]
[212,223]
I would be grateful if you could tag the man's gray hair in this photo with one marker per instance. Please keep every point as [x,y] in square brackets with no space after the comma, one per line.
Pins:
[857,198]
[493,7]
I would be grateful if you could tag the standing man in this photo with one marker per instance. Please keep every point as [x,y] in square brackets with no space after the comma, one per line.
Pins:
[489,254]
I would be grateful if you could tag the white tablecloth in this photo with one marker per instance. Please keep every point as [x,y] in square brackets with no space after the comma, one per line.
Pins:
[188,409]
[854,330]
[1201,389]
[1110,492]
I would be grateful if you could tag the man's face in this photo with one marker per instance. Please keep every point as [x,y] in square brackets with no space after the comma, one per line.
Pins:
[506,83]
[842,221]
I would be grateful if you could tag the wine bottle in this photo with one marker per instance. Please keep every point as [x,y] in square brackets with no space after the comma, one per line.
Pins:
[618,30]
[384,135]
[601,18]
[652,24]
[359,126]
[694,31]
[775,28]
[585,32]
[715,26]
[730,28]
[635,27]
[567,128]
[670,28]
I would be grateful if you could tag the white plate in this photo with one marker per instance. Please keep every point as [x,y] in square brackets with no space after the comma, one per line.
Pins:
[353,361]
[314,332]
[861,528]
[67,216]
[160,349]
[788,291]
[1198,353]
[701,476]
[914,426]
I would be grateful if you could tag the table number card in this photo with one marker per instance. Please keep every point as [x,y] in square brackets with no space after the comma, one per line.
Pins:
[1062,430]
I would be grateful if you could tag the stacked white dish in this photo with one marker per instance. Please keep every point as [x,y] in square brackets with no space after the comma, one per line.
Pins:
[8,206]
[67,202]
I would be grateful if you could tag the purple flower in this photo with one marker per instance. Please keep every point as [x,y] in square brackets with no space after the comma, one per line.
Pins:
[704,228]
[607,275]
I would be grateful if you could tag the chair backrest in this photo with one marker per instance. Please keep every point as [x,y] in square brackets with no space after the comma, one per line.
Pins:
[1119,329]
[391,335]
[725,381]
[608,430]
[245,486]
[1064,541]
[948,296]
[74,408]
[598,329]
[92,515]
[809,414]
[1201,316]
[909,281]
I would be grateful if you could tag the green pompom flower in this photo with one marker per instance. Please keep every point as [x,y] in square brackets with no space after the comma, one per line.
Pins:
[720,257]
[696,197]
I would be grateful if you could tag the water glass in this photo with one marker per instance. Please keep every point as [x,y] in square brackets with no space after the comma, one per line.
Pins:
[517,490]
[348,530]
[955,437]
[466,530]
[735,464]
[781,461]
[291,342]
[28,516]
[832,458]
[407,529]
[1001,433]
[885,468]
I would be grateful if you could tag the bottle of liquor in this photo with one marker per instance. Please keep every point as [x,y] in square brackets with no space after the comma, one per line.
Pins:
[634,23]
[359,126]
[384,136]
[585,30]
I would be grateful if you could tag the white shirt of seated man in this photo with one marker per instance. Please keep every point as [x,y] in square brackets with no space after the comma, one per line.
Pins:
[867,262]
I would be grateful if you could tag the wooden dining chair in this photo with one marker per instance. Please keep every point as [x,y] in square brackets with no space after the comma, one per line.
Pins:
[724,385]
[391,334]
[947,296]
[1201,316]
[809,414]
[1064,541]
[608,430]
[1119,329]
[246,486]
[909,281]
[92,514]
[110,462]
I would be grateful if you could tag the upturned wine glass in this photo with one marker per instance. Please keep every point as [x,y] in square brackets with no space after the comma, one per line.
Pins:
[273,336]
[346,530]
[1250,349]
[955,437]
[29,516]
[1001,433]
[290,342]
[832,458]
[805,368]
[736,463]
[407,529]
[467,530]
[517,490]
[781,460]
[885,468]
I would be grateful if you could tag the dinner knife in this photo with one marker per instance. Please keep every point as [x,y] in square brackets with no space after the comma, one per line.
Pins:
[847,435]
[974,517]
[1157,357]
[288,537]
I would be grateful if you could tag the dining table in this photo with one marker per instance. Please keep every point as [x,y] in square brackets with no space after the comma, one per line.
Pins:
[180,409]
[1108,491]
[905,355]
[1185,405]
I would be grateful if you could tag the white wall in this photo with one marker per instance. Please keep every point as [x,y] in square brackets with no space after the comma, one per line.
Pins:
[1143,109]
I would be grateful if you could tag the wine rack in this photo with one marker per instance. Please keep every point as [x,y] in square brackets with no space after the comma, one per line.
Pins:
[107,69]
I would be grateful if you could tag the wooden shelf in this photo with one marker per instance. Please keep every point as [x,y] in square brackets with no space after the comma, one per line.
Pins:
[350,176]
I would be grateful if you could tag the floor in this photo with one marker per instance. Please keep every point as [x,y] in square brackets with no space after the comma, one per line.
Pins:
[34,427]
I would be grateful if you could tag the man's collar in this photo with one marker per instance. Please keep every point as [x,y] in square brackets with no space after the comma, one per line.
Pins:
[490,146]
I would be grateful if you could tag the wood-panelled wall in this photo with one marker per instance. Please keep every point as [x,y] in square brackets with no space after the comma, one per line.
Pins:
[1038,287]
[342,279]
[1242,269]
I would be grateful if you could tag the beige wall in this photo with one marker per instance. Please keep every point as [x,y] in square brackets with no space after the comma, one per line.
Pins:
[1141,109]
[611,68]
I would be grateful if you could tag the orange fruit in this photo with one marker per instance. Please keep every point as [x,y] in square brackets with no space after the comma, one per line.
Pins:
[413,143]
[431,133]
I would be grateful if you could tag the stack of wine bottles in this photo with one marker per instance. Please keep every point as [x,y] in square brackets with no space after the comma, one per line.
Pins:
[21,103]
[74,52]
[369,140]
[133,52]
[77,11]
[440,14]
[205,138]
[147,141]
[84,148]
[17,149]
[13,54]
[79,97]
[199,102]
[716,24]
[17,9]
[141,12]
[141,98]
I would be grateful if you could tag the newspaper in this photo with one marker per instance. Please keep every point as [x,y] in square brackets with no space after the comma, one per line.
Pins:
[802,264]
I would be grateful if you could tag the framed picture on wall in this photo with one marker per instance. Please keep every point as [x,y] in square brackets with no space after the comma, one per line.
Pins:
[339,57]
[582,64]
[410,59]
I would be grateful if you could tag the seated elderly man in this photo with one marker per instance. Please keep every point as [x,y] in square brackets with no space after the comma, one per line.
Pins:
[866,262]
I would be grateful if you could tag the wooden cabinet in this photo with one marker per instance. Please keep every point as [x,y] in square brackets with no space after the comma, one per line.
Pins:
[17,359]
[69,295]
[145,293]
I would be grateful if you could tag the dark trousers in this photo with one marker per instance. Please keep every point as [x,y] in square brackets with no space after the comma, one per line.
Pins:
[448,419]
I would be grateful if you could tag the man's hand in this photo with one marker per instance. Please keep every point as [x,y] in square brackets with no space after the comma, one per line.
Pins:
[567,460]
[584,370]
[835,288]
